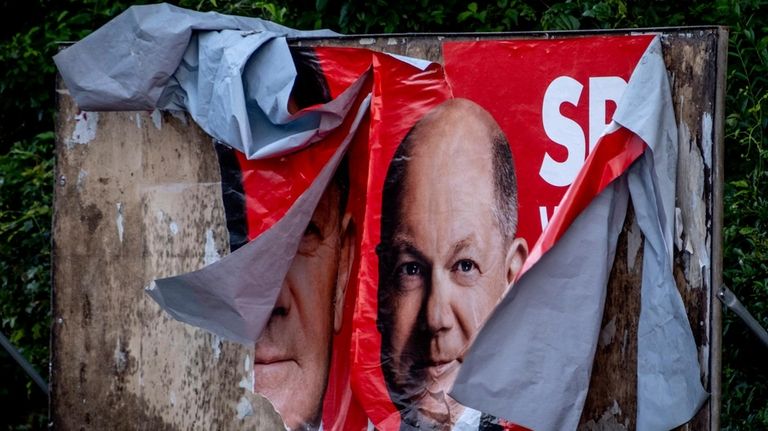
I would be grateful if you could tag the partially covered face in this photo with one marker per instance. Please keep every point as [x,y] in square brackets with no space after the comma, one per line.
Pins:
[292,357]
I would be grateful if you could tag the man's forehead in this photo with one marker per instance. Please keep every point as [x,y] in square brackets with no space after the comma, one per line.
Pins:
[444,234]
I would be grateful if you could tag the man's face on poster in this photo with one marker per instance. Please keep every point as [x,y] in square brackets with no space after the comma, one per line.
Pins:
[292,356]
[450,260]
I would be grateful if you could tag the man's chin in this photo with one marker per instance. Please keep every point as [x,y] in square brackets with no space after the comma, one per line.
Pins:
[439,408]
[432,406]
[296,396]
[298,413]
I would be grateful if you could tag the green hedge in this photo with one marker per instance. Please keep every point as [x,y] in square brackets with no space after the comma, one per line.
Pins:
[29,39]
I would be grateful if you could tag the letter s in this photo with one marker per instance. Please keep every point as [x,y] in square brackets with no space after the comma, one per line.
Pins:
[563,131]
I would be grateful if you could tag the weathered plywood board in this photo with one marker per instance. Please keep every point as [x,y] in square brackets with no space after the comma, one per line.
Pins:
[137,197]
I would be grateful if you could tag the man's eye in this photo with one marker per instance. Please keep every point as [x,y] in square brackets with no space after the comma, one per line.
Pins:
[411,269]
[410,277]
[464,265]
[311,239]
[312,229]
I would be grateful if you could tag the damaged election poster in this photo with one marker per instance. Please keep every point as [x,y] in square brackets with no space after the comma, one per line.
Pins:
[427,245]
[428,221]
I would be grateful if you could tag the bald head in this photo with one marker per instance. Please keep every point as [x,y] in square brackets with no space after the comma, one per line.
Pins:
[453,115]
[455,140]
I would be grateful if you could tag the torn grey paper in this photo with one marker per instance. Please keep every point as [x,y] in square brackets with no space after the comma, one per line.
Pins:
[217,67]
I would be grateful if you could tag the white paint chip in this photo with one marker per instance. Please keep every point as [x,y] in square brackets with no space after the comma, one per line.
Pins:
[624,342]
[157,119]
[244,384]
[706,138]
[80,178]
[367,41]
[244,408]
[248,362]
[216,346]
[678,228]
[607,333]
[608,421]
[120,357]
[179,115]
[392,41]
[119,221]
[138,120]
[173,398]
[151,286]
[174,228]
[211,255]
[86,124]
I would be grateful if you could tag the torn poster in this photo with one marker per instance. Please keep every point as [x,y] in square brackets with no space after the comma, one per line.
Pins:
[420,245]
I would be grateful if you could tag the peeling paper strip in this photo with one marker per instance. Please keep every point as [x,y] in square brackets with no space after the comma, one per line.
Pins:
[207,63]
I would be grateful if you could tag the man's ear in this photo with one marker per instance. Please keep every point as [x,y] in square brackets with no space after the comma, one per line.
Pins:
[516,255]
[346,259]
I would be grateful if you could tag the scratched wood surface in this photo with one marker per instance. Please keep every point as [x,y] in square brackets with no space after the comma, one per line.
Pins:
[137,197]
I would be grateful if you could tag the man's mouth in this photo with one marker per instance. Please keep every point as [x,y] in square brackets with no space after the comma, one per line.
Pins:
[270,360]
[267,371]
[267,352]
[271,370]
[270,356]
[440,370]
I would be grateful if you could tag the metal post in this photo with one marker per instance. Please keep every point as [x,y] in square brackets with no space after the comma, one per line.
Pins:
[24,364]
[732,302]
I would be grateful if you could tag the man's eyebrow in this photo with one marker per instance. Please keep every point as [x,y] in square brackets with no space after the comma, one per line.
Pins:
[462,245]
[404,245]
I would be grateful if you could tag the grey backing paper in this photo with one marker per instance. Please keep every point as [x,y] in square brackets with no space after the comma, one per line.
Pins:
[232,74]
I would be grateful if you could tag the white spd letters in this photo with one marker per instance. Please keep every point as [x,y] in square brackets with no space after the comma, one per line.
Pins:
[562,130]
[568,133]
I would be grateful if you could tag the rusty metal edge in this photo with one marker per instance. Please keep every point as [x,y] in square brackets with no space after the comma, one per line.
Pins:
[519,34]
[53,339]
[512,34]
[718,178]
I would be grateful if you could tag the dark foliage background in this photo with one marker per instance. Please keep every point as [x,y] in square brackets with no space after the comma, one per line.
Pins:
[29,36]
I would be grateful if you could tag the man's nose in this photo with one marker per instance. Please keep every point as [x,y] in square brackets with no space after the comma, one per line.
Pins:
[439,312]
[283,305]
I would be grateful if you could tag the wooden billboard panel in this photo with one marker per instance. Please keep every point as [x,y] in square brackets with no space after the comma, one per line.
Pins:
[138,197]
